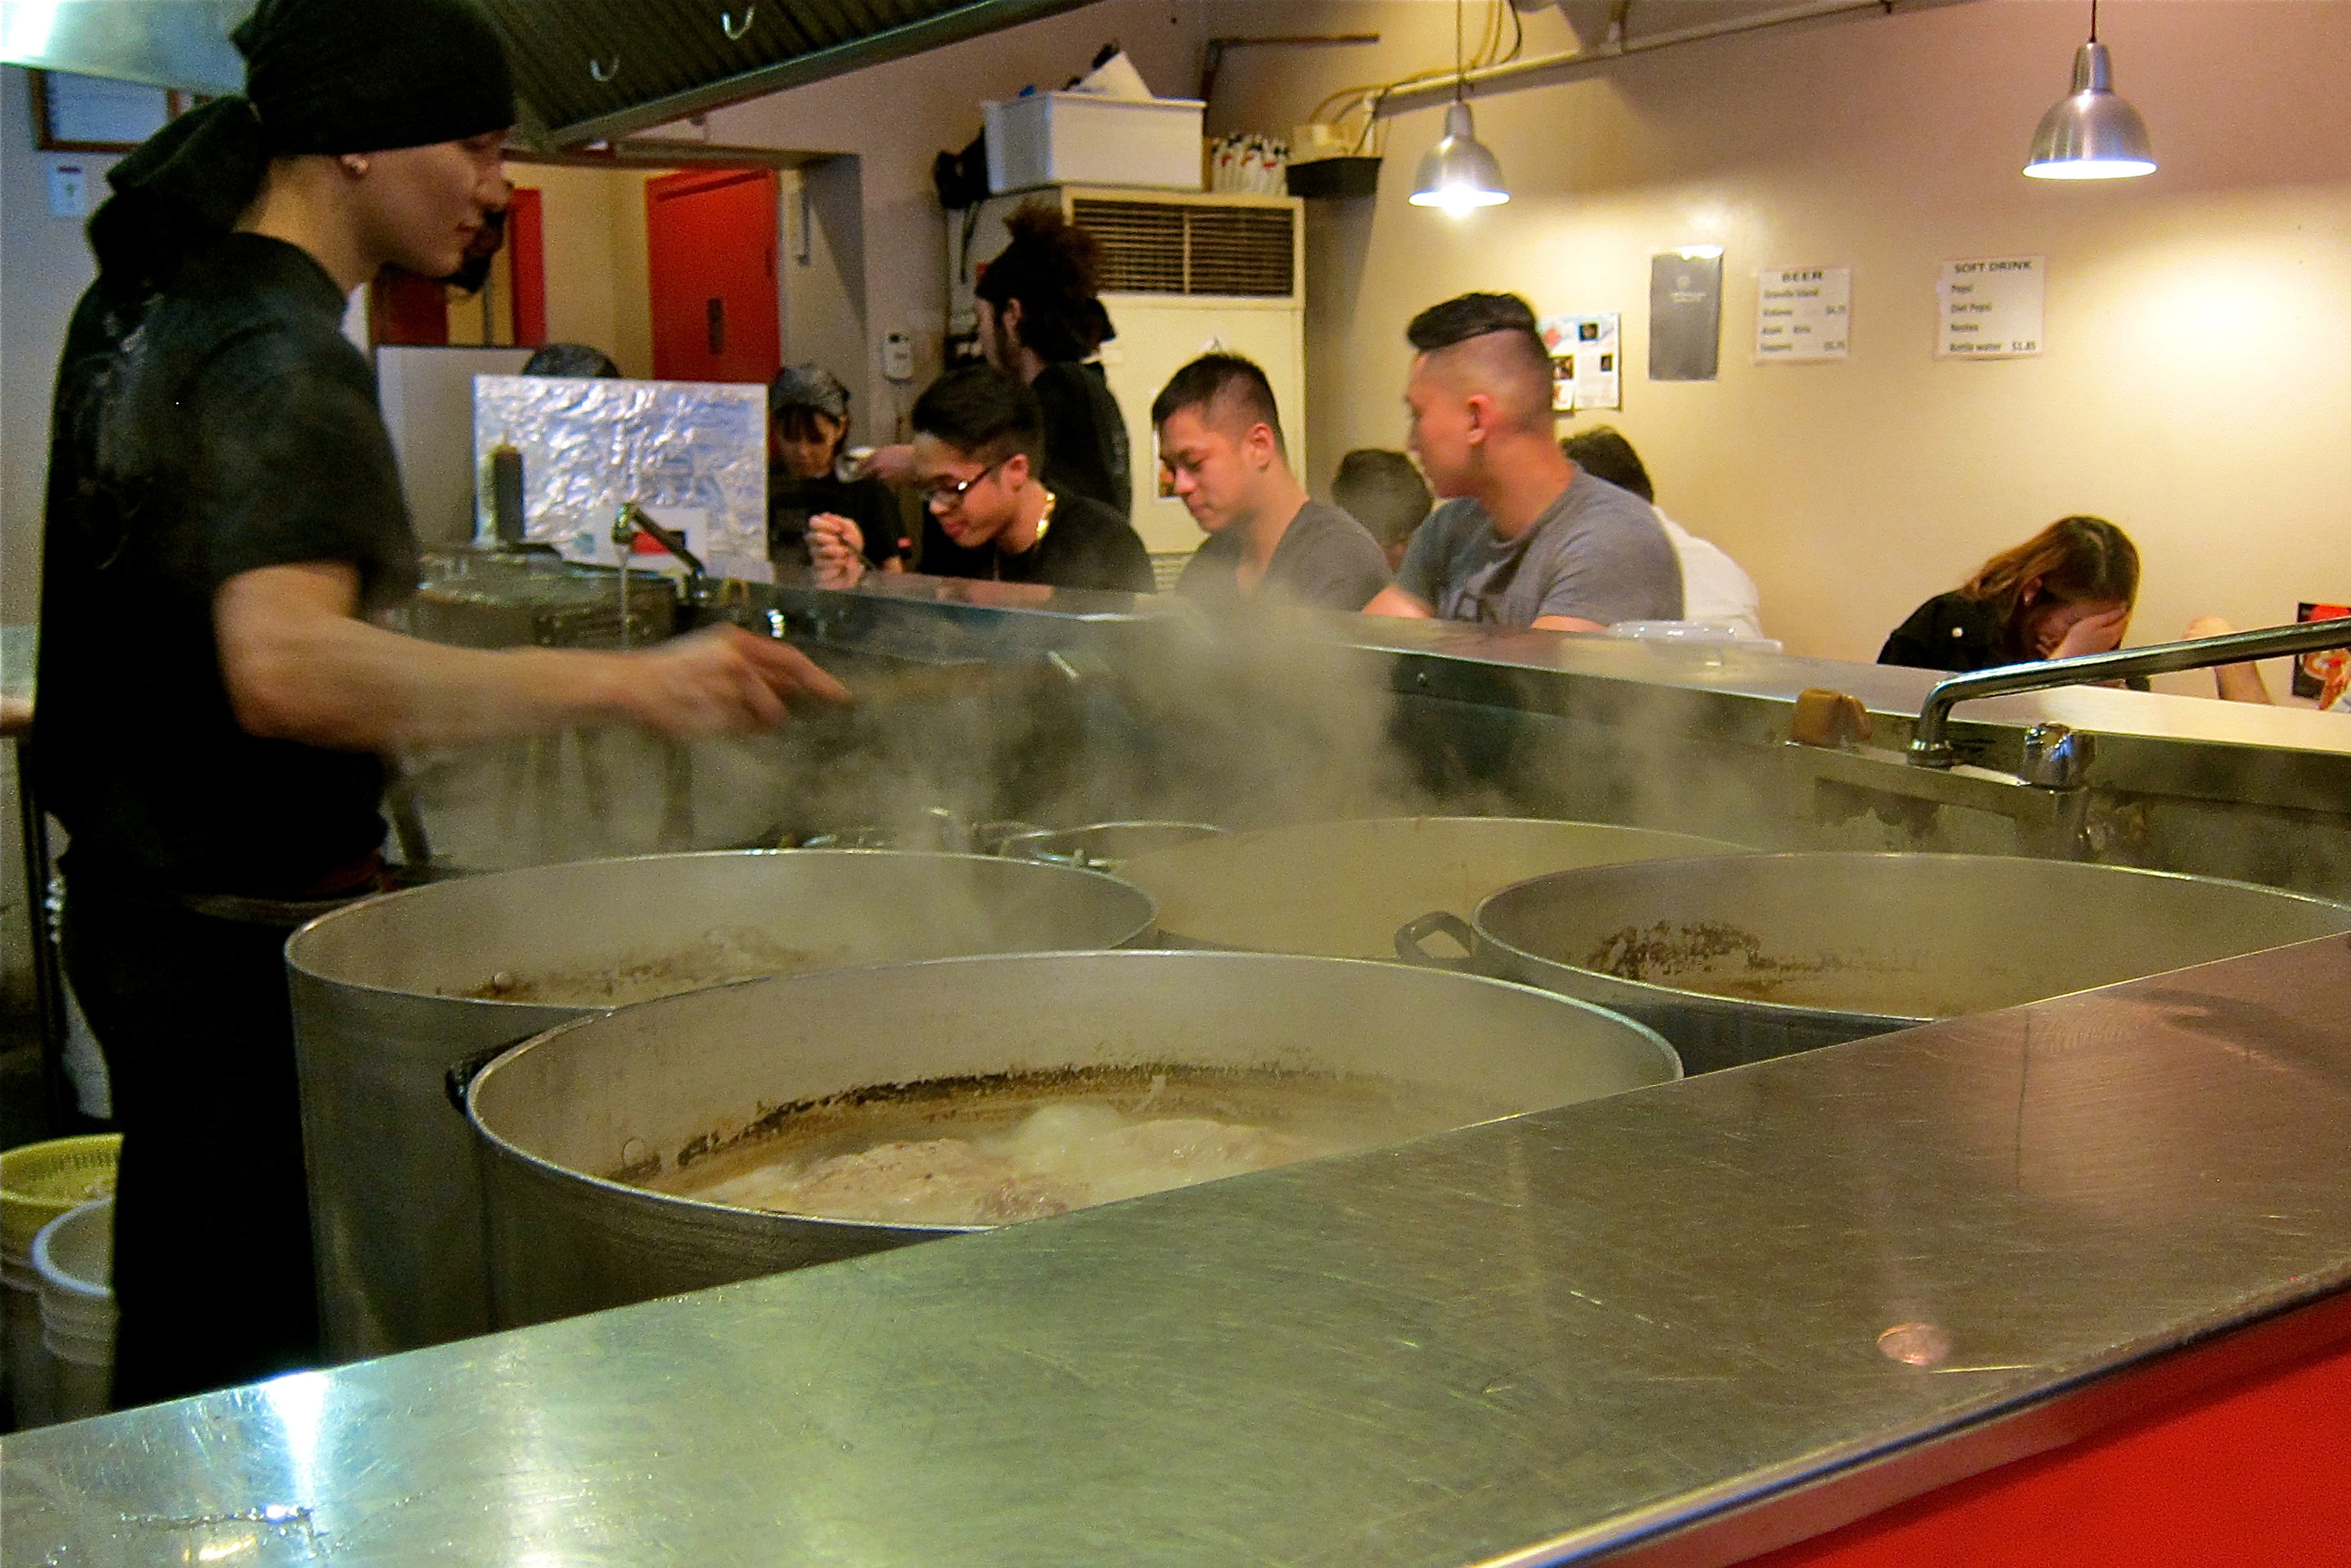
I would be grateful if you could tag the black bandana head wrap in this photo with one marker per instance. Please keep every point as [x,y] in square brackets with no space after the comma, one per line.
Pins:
[321,76]
[367,76]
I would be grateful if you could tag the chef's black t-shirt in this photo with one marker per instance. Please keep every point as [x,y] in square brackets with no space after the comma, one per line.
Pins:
[1085,545]
[230,428]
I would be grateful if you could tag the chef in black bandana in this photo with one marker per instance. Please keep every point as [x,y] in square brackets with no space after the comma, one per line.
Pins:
[223,519]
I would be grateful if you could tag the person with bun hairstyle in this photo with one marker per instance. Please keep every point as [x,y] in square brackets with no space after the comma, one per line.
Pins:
[2066,591]
[1041,320]
[218,462]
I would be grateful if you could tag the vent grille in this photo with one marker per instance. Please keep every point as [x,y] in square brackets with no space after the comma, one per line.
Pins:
[1173,247]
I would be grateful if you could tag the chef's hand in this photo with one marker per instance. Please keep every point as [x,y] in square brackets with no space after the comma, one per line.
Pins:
[837,550]
[2094,635]
[890,465]
[722,679]
[2207,626]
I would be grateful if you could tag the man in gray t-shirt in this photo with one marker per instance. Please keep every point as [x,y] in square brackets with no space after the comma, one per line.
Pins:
[1525,537]
[1595,555]
[1220,447]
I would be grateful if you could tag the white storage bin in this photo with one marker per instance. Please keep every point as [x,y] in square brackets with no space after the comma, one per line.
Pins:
[1085,139]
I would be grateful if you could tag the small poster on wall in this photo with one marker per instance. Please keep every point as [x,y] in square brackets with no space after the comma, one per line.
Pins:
[1991,309]
[1584,361]
[1801,312]
[2330,668]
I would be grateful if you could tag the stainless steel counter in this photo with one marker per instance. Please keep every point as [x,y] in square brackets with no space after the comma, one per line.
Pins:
[1600,1331]
[1267,718]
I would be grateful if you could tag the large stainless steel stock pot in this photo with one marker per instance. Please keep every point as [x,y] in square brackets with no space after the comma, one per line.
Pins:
[592,1134]
[388,994]
[1749,956]
[1341,889]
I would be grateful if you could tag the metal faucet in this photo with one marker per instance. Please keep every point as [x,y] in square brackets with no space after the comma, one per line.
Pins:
[630,521]
[1930,745]
[2047,799]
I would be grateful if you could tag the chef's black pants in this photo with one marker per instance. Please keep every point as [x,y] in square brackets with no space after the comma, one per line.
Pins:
[212,1276]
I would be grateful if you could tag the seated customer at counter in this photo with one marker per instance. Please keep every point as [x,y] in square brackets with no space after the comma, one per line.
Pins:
[2066,591]
[1040,313]
[1715,587]
[1382,490]
[1220,443]
[978,457]
[808,425]
[1524,539]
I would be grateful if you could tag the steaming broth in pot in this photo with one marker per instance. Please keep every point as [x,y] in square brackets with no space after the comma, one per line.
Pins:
[718,959]
[994,1151]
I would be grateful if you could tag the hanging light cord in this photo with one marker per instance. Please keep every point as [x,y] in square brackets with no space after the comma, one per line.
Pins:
[1462,72]
[1368,99]
[2094,21]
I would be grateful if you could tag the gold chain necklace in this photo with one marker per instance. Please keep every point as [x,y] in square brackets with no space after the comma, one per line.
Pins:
[995,567]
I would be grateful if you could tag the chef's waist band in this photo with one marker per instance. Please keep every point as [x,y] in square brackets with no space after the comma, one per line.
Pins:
[294,906]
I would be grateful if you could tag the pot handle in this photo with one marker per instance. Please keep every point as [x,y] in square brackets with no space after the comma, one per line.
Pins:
[1410,937]
[459,1074]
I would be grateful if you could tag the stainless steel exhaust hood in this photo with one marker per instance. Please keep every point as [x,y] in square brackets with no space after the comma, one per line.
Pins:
[592,71]
[587,70]
[163,43]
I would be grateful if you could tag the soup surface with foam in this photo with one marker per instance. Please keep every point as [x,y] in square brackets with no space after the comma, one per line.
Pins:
[991,1152]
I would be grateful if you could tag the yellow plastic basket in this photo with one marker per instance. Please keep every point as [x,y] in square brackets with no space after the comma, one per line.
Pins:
[40,1181]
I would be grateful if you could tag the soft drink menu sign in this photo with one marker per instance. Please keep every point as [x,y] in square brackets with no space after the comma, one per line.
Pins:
[1991,309]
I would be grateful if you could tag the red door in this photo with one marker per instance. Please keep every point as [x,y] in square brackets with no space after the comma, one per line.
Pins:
[711,256]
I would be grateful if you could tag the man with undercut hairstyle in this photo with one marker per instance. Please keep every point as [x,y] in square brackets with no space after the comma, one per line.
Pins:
[1220,447]
[1524,536]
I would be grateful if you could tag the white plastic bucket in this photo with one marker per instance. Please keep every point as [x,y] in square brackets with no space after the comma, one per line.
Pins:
[74,1258]
[31,1372]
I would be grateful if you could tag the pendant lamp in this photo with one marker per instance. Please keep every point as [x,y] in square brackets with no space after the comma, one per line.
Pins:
[1458,172]
[2092,134]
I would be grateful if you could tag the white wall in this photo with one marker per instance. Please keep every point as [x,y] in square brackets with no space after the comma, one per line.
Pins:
[593,223]
[1854,490]
[825,319]
[895,117]
[45,265]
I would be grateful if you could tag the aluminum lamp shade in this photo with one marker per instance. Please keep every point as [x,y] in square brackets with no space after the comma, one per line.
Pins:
[2092,134]
[1458,173]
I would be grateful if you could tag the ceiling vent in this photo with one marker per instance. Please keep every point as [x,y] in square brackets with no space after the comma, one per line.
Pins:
[1193,247]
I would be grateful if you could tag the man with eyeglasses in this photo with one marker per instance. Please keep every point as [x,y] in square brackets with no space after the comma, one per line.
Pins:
[1524,539]
[978,453]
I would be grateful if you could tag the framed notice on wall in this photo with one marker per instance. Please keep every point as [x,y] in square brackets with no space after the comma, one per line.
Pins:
[1991,307]
[1802,314]
[91,114]
[2313,674]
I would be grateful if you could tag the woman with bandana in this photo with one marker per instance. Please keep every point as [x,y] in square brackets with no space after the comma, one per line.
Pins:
[224,521]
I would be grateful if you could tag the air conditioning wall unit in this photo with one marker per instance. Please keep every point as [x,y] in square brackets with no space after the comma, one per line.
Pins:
[1183,274]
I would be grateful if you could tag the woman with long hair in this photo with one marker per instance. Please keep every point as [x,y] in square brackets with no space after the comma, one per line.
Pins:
[2066,591]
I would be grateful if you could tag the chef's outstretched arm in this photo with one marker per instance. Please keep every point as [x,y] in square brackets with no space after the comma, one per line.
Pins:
[300,665]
